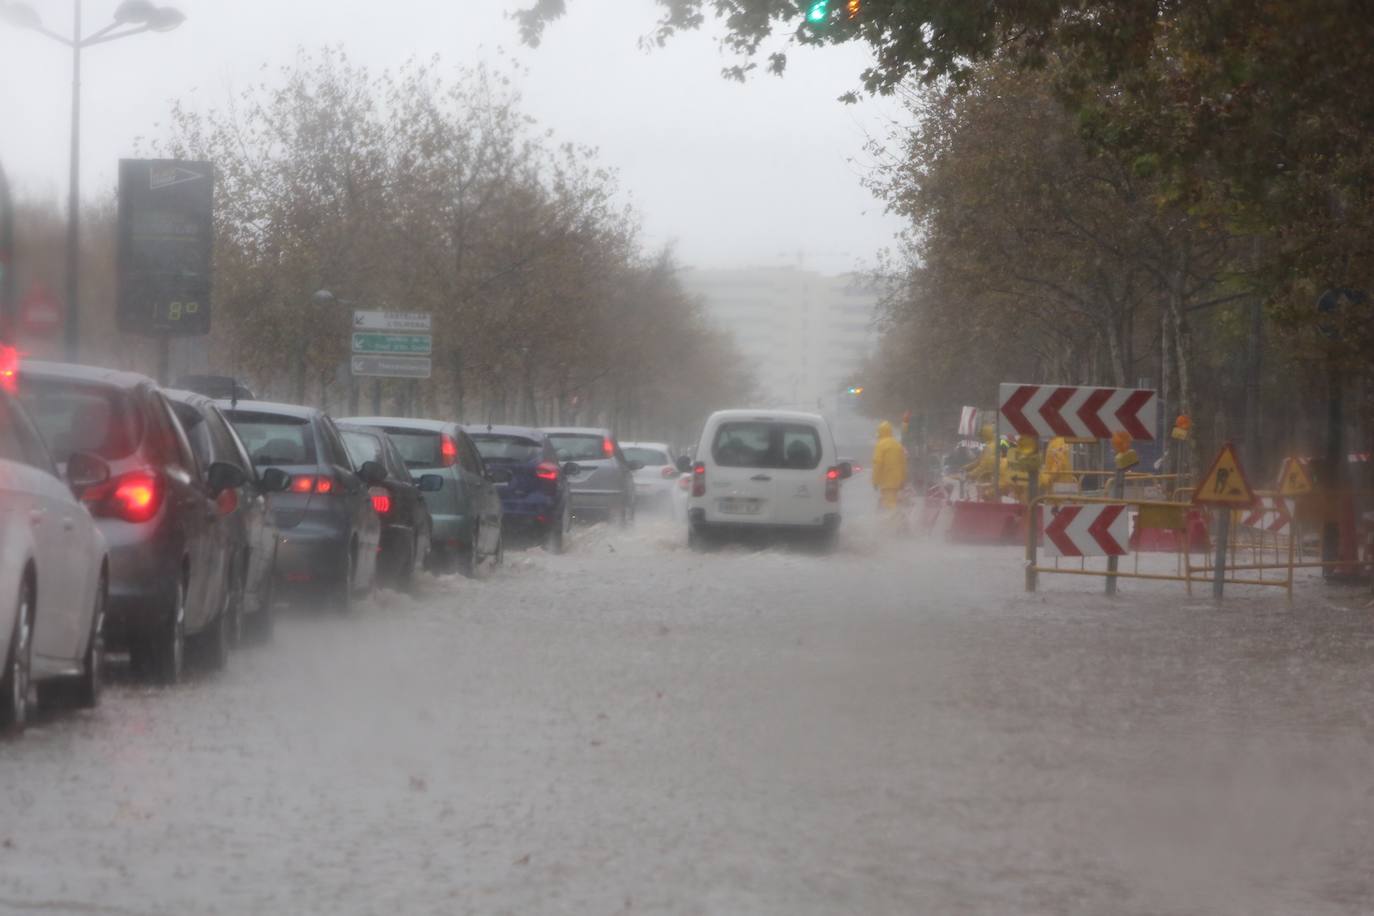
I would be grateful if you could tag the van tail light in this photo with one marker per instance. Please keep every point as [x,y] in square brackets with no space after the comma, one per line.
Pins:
[547,470]
[133,497]
[381,499]
[309,483]
[448,450]
[699,479]
[832,485]
[668,472]
[608,448]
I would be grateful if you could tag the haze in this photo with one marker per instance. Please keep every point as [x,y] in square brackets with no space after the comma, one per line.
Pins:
[732,175]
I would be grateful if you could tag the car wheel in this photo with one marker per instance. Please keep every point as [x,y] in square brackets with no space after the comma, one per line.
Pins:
[698,539]
[217,637]
[470,563]
[236,601]
[14,685]
[261,624]
[341,595]
[405,572]
[83,691]
[92,682]
[161,653]
[556,541]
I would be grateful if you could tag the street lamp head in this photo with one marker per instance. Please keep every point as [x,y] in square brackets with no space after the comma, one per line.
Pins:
[134,12]
[148,14]
[166,19]
[20,15]
[323,297]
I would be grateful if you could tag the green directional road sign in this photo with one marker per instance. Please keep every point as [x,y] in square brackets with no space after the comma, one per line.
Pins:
[394,344]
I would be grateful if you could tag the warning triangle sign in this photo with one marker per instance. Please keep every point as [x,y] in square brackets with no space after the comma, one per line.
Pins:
[1224,485]
[1294,481]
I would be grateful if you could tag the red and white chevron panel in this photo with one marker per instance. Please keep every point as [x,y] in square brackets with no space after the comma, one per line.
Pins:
[1088,531]
[1077,412]
[1273,514]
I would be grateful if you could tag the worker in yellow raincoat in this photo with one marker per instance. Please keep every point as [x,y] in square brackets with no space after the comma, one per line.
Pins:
[991,463]
[889,467]
[1058,466]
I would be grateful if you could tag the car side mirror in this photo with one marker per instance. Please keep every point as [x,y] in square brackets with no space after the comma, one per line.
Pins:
[372,473]
[430,483]
[846,470]
[572,469]
[684,464]
[86,470]
[223,476]
[635,465]
[274,480]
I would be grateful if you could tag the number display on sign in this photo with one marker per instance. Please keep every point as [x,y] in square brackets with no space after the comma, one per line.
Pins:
[175,311]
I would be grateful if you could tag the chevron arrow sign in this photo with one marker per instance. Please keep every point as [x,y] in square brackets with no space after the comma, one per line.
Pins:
[1079,412]
[1088,531]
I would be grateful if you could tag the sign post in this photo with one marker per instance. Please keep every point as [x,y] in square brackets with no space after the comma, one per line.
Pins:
[1224,488]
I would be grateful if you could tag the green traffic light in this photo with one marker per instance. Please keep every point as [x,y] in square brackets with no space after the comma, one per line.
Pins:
[819,11]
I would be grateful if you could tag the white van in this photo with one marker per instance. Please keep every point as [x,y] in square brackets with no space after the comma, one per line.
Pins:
[765,469]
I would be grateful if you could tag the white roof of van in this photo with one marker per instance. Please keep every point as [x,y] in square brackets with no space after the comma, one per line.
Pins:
[778,415]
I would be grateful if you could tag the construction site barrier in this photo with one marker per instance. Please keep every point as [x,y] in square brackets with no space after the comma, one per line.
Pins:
[1261,546]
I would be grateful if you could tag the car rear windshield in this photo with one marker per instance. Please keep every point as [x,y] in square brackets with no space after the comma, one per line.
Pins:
[272,439]
[419,448]
[79,417]
[505,447]
[649,457]
[363,447]
[579,446]
[763,444]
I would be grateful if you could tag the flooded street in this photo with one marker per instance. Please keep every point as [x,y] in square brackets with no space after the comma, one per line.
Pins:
[632,727]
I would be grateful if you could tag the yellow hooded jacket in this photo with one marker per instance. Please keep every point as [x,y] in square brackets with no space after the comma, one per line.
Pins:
[889,460]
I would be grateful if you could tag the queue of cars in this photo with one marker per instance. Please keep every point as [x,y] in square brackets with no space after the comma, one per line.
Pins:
[169,522]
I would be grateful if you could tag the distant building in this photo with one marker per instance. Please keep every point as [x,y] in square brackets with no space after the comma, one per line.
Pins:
[804,333]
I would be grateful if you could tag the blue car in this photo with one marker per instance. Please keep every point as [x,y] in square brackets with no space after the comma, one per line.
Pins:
[532,484]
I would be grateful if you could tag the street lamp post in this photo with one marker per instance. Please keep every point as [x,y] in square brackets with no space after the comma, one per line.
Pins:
[8,307]
[325,297]
[132,17]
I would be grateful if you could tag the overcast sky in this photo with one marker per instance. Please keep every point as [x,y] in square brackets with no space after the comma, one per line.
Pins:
[733,174]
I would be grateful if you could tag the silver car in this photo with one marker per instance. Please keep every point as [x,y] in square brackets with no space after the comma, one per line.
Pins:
[600,478]
[54,574]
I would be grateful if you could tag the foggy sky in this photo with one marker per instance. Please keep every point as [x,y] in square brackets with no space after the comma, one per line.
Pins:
[732,174]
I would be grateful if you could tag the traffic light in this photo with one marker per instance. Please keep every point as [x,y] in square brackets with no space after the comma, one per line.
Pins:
[856,390]
[818,13]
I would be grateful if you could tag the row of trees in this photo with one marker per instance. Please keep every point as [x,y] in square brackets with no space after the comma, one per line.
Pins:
[410,191]
[1101,191]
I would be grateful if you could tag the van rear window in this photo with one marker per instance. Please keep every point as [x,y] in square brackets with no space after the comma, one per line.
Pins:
[761,444]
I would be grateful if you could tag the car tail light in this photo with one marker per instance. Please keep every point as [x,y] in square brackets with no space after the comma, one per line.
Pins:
[227,502]
[832,485]
[133,497]
[9,369]
[669,472]
[381,499]
[308,483]
[448,450]
[547,470]
[608,447]
[699,479]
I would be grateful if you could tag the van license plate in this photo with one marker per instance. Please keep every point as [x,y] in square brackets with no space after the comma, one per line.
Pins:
[739,506]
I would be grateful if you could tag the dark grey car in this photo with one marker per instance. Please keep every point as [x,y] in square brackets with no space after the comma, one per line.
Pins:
[252,533]
[329,529]
[158,509]
[600,479]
